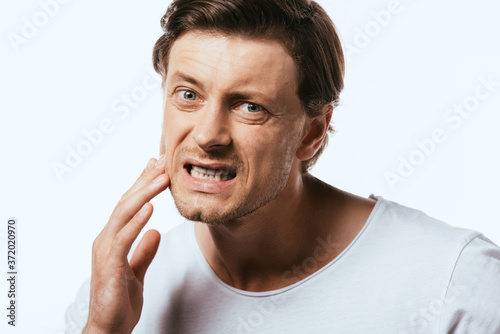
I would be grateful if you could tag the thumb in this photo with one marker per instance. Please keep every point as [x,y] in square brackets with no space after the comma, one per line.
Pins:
[145,253]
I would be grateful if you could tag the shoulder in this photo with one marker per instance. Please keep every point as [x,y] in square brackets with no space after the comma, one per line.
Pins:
[456,271]
[414,226]
[425,249]
[472,300]
[76,314]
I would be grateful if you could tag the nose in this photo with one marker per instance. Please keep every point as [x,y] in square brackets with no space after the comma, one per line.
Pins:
[212,129]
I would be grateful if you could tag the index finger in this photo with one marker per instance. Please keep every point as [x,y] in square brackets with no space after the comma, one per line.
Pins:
[153,169]
[128,207]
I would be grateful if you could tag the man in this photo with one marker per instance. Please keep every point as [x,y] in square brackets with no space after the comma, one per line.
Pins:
[249,89]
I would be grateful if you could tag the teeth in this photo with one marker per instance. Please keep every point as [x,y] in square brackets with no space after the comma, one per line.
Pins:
[210,174]
[202,170]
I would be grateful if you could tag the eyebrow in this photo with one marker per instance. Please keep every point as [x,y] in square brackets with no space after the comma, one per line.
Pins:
[241,95]
[179,76]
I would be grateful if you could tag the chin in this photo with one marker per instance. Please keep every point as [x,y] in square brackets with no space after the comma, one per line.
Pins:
[210,214]
[208,217]
[199,210]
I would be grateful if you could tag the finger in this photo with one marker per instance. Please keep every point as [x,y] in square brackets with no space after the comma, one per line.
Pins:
[124,239]
[145,253]
[126,209]
[152,170]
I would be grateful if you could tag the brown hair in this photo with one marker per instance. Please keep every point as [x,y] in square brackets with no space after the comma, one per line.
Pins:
[302,26]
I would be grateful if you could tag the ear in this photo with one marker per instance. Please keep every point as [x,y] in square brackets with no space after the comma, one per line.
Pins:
[315,130]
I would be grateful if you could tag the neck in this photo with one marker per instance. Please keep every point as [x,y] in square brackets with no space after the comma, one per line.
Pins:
[261,250]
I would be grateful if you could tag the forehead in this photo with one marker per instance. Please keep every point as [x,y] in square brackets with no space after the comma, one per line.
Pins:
[234,62]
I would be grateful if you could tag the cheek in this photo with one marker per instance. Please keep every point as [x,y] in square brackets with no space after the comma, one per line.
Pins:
[176,124]
[175,130]
[267,149]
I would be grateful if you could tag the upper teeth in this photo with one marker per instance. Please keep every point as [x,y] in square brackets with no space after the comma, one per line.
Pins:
[207,171]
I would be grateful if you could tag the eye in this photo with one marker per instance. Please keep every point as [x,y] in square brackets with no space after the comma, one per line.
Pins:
[251,107]
[187,95]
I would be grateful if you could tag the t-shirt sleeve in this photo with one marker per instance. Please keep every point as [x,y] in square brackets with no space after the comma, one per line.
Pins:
[472,300]
[77,313]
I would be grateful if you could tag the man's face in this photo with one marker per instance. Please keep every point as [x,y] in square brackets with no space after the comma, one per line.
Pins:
[231,109]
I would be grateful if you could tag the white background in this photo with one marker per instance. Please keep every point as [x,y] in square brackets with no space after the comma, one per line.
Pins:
[66,78]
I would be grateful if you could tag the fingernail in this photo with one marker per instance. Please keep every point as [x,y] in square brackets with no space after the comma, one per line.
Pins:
[144,208]
[159,179]
[150,164]
[160,160]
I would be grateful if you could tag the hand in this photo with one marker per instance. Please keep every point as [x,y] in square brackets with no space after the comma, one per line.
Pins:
[116,288]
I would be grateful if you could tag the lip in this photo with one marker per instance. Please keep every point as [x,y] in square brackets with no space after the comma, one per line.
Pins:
[207,186]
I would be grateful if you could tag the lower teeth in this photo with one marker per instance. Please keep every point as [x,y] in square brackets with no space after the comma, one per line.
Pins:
[210,177]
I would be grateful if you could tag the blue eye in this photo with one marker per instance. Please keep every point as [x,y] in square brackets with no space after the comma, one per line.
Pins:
[252,108]
[188,95]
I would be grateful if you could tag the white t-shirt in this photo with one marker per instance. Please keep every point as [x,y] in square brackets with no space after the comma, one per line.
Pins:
[404,273]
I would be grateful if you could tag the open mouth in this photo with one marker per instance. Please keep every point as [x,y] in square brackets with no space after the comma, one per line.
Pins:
[203,173]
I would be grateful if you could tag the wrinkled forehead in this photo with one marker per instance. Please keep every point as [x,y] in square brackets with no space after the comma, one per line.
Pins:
[233,62]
